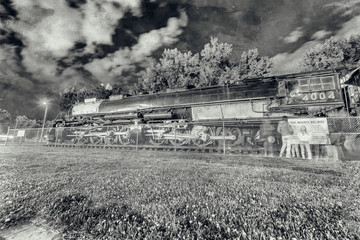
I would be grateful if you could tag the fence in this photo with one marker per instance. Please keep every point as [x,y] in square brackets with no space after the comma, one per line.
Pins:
[329,137]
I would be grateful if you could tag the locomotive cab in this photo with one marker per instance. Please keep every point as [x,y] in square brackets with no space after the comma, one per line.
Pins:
[314,93]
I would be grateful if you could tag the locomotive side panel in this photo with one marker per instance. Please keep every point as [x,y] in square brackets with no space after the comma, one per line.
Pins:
[238,110]
[85,108]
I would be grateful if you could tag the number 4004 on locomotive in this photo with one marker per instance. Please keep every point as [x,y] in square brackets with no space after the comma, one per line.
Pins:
[198,116]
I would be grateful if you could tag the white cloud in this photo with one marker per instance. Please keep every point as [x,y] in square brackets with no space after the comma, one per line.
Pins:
[49,29]
[101,18]
[294,36]
[285,63]
[352,27]
[344,8]
[110,68]
[289,62]
[48,26]
[321,34]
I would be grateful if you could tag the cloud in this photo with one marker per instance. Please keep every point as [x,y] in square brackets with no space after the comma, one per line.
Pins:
[322,34]
[344,8]
[110,68]
[288,62]
[101,18]
[285,62]
[294,35]
[50,29]
[348,28]
[47,26]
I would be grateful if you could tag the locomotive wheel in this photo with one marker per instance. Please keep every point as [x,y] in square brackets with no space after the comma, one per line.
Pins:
[204,134]
[95,140]
[156,138]
[180,142]
[125,139]
[157,142]
[231,132]
[110,137]
[82,140]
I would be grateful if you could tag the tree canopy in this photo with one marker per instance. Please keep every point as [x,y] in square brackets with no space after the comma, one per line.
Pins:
[333,53]
[175,69]
[5,116]
[71,96]
[25,122]
[211,67]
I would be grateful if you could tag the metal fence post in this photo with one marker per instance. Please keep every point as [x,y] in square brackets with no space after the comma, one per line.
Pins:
[7,135]
[137,137]
[107,130]
[223,121]
[56,136]
[76,138]
[175,137]
[13,140]
[37,137]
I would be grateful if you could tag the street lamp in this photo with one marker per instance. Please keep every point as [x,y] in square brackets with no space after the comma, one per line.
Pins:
[43,125]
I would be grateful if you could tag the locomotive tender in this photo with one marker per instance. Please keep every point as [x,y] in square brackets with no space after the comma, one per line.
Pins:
[199,116]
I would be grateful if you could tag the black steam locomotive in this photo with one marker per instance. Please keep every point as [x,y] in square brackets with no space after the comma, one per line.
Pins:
[209,115]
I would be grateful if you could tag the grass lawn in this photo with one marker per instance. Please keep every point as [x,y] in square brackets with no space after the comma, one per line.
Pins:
[114,194]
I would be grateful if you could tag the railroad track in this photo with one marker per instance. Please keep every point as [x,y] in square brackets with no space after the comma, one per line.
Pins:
[216,149]
[322,165]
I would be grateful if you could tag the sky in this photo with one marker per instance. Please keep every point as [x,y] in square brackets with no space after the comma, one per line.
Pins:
[49,45]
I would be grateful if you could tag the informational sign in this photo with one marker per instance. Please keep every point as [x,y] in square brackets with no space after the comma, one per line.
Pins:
[317,128]
[89,100]
[21,133]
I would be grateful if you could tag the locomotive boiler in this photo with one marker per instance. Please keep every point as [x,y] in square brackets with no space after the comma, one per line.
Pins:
[209,115]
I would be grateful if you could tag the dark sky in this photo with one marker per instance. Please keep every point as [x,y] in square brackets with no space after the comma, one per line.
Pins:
[47,46]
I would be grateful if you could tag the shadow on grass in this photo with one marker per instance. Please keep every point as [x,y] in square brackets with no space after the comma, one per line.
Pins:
[296,165]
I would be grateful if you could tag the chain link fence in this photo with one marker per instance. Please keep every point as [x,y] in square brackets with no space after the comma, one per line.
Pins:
[331,138]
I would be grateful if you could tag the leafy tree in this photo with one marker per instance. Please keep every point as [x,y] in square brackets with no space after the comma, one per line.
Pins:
[251,65]
[214,62]
[333,53]
[5,116]
[174,70]
[211,67]
[73,95]
[116,89]
[25,122]
[5,120]
[69,97]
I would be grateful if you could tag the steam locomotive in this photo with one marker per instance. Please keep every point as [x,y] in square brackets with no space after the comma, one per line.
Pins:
[209,115]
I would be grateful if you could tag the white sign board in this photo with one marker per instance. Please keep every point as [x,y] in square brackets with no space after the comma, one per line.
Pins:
[90,100]
[21,133]
[316,127]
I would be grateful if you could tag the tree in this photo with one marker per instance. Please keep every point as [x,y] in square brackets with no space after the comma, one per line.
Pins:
[24,122]
[214,62]
[333,53]
[174,70]
[5,120]
[251,65]
[5,116]
[211,67]
[72,96]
